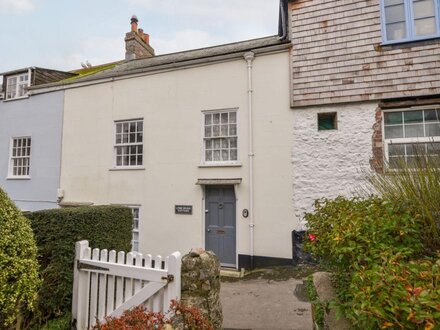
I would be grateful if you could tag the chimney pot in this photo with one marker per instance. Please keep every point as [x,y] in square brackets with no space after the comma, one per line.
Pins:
[134,23]
[147,38]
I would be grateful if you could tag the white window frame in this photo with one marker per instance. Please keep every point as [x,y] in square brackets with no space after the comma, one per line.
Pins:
[135,230]
[12,157]
[410,23]
[204,138]
[129,145]
[17,86]
[388,142]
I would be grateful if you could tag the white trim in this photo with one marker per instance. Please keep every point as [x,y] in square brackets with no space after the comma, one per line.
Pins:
[213,163]
[128,144]
[17,85]
[10,175]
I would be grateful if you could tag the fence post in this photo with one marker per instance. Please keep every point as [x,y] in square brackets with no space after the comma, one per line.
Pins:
[79,293]
[174,268]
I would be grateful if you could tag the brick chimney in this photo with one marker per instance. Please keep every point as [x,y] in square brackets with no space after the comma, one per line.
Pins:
[137,43]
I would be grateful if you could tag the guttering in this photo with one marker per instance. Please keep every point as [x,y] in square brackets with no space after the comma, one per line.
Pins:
[249,57]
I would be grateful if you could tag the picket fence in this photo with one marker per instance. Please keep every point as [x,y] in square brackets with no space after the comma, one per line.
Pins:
[106,283]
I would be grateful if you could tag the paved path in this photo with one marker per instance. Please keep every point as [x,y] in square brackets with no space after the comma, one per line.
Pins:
[264,304]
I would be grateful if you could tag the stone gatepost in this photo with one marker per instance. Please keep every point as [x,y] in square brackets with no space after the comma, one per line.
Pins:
[201,284]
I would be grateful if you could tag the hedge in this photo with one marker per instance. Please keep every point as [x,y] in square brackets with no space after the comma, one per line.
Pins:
[19,279]
[56,232]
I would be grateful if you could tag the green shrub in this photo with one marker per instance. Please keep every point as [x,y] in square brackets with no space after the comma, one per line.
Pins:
[56,232]
[351,232]
[19,279]
[374,248]
[417,186]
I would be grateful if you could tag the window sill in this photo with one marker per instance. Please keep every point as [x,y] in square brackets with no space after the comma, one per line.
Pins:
[18,178]
[132,168]
[16,98]
[388,45]
[204,165]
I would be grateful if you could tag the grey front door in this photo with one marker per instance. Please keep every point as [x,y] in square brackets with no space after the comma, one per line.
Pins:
[220,223]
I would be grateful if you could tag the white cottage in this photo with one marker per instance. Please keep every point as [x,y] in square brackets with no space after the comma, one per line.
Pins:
[197,143]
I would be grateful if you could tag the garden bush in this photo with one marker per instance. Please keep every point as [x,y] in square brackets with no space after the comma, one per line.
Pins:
[375,249]
[179,316]
[56,232]
[19,278]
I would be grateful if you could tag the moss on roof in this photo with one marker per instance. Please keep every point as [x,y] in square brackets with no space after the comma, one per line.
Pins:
[84,72]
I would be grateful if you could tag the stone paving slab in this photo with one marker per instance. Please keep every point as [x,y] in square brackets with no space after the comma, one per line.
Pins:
[264,304]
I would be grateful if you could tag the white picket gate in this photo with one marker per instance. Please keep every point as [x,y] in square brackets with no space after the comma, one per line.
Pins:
[107,283]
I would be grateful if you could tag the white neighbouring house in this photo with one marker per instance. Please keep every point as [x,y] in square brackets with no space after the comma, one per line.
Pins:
[197,143]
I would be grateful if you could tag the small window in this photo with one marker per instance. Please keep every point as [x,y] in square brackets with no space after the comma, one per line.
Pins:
[220,140]
[129,148]
[411,133]
[20,160]
[407,20]
[16,86]
[327,121]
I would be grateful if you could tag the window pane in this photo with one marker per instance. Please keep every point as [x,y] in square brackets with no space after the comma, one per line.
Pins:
[414,130]
[396,31]
[415,149]
[225,155]
[140,137]
[139,160]
[208,119]
[208,155]
[425,26]
[140,126]
[233,143]
[432,115]
[132,138]
[395,13]
[133,127]
[433,148]
[208,144]
[413,116]
[216,117]
[423,8]
[234,154]
[232,117]
[433,129]
[207,131]
[224,118]
[224,130]
[393,2]
[216,155]
[216,144]
[216,130]
[396,149]
[393,132]
[225,143]
[232,129]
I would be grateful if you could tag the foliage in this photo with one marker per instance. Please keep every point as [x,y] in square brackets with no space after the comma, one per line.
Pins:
[397,294]
[139,318]
[317,305]
[417,186]
[56,232]
[60,323]
[375,250]
[351,232]
[19,280]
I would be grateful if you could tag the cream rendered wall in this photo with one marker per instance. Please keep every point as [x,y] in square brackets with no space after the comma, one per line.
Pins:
[171,105]
[334,162]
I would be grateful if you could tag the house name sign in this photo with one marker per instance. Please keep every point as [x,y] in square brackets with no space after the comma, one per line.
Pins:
[183,209]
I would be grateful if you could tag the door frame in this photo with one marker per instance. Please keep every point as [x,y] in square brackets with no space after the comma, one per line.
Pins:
[203,208]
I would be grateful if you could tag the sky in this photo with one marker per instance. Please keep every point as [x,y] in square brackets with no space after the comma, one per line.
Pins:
[60,34]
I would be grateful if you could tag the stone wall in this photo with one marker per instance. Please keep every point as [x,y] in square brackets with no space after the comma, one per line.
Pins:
[330,163]
[201,284]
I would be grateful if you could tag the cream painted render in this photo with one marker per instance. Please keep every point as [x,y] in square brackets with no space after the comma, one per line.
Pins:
[171,105]
[330,163]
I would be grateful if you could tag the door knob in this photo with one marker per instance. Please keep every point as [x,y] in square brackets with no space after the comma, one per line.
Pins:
[208,230]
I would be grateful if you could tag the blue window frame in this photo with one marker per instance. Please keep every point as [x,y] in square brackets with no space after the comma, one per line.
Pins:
[409,20]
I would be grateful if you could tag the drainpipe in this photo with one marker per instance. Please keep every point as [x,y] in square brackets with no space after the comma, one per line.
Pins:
[249,57]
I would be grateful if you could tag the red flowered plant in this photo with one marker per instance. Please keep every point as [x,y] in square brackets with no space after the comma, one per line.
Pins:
[312,237]
[139,318]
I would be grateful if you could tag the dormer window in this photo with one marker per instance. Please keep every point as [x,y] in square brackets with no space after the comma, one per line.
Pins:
[16,86]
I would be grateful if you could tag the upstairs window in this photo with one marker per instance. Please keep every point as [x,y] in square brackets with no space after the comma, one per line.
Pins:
[407,20]
[411,133]
[129,148]
[16,86]
[20,160]
[220,141]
